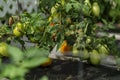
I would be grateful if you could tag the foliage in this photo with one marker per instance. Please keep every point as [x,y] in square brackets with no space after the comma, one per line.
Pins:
[74,23]
[20,63]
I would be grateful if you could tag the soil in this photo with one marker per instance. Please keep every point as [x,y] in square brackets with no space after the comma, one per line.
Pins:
[73,70]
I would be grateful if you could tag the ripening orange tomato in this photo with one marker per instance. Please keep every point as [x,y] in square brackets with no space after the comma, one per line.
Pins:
[65,47]
[52,24]
[47,63]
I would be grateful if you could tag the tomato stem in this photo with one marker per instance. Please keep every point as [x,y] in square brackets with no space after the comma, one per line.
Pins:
[85,30]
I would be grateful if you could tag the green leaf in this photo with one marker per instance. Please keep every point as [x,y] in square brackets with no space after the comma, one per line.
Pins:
[36,52]
[12,71]
[104,21]
[34,57]
[68,7]
[34,62]
[77,6]
[44,78]
[110,26]
[0,60]
[15,53]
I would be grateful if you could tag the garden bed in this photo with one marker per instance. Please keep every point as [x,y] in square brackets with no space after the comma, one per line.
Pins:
[73,70]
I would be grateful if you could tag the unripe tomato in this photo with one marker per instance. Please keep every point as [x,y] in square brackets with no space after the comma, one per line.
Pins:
[64,47]
[62,2]
[47,63]
[88,40]
[95,57]
[96,9]
[17,32]
[103,49]
[87,2]
[75,52]
[50,19]
[84,54]
[20,26]
[18,29]
[52,24]
[3,49]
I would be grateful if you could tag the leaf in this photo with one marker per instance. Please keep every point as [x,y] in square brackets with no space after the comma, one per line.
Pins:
[44,78]
[0,61]
[77,6]
[34,62]
[11,71]
[110,26]
[34,57]
[104,21]
[68,7]
[59,44]
[36,52]
[15,53]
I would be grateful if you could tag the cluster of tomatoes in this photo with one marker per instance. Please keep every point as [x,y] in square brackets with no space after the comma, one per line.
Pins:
[94,56]
[62,24]
[89,8]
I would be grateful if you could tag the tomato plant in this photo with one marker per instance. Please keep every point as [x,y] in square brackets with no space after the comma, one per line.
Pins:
[72,25]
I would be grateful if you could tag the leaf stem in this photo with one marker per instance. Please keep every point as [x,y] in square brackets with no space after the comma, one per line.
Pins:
[85,30]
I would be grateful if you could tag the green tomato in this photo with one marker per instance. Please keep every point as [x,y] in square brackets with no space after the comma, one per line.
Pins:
[88,40]
[96,9]
[84,55]
[87,2]
[3,49]
[62,2]
[48,62]
[103,49]
[17,32]
[50,19]
[75,52]
[20,26]
[53,10]
[95,57]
